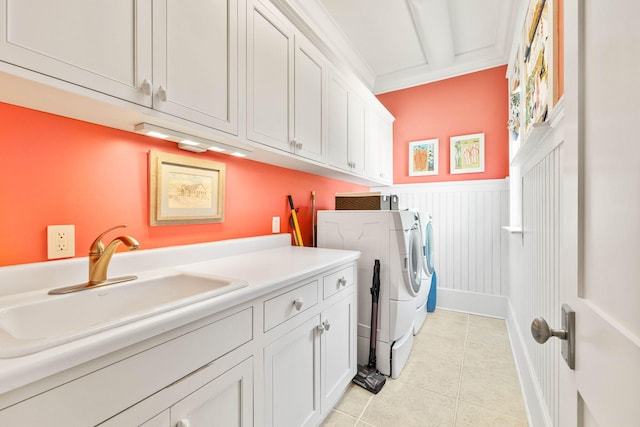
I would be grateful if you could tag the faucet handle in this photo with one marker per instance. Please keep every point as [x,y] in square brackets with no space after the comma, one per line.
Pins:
[97,247]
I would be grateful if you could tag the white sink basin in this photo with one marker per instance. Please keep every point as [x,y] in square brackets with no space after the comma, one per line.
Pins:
[51,320]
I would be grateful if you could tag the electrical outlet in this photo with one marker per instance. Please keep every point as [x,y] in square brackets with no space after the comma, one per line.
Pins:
[61,241]
[275,224]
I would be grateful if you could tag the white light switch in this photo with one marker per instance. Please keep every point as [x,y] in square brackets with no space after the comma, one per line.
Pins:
[275,224]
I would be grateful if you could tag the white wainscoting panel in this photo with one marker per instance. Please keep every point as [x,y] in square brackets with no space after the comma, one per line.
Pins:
[470,250]
[535,290]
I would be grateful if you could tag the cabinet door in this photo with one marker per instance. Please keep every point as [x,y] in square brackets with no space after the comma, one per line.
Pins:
[269,77]
[292,384]
[225,401]
[195,61]
[309,104]
[338,123]
[104,46]
[356,125]
[385,141]
[338,350]
[379,148]
[163,419]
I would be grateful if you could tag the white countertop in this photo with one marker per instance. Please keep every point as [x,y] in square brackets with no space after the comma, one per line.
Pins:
[264,270]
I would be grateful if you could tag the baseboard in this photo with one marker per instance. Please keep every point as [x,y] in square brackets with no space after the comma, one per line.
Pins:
[533,399]
[472,302]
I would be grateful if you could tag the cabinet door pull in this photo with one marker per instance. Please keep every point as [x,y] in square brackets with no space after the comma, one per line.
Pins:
[326,325]
[297,303]
[299,145]
[320,328]
[162,93]
[183,423]
[145,87]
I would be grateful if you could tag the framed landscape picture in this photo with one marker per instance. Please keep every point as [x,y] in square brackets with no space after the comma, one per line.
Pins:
[467,153]
[185,190]
[423,157]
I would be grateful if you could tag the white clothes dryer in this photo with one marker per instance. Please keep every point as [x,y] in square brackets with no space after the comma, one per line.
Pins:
[394,238]
[426,232]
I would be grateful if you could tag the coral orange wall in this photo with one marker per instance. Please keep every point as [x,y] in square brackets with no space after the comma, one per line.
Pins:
[472,103]
[57,170]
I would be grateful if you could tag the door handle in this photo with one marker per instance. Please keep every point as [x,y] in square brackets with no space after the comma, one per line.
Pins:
[542,332]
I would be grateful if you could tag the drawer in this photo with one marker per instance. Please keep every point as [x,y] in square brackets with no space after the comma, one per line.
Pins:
[283,307]
[338,281]
[112,389]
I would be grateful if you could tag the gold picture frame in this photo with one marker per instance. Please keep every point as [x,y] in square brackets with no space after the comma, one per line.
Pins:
[184,190]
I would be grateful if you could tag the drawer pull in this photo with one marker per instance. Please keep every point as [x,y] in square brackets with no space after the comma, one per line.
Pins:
[183,423]
[146,87]
[162,93]
[342,281]
[297,303]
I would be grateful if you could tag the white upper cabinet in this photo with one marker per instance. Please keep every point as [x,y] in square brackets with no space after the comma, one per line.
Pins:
[356,124]
[310,102]
[270,44]
[346,127]
[379,147]
[195,61]
[104,46]
[338,123]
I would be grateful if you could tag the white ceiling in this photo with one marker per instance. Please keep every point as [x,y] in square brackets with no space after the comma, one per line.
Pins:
[394,44]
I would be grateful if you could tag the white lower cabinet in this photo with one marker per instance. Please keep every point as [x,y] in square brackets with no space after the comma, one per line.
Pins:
[308,368]
[219,399]
[297,345]
[337,351]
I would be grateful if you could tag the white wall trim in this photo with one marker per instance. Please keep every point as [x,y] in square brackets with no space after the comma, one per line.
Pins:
[471,185]
[472,302]
[531,392]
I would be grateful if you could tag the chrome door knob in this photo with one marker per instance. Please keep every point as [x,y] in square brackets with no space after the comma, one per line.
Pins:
[542,332]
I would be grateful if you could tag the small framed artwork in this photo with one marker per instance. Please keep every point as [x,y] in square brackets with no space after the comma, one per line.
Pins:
[184,190]
[423,157]
[467,153]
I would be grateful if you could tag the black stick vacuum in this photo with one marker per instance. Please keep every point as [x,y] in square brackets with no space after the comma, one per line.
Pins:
[368,376]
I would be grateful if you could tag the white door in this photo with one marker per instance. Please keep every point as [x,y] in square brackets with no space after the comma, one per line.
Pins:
[600,213]
[195,61]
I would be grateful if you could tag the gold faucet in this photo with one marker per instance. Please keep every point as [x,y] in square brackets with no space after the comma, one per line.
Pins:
[99,259]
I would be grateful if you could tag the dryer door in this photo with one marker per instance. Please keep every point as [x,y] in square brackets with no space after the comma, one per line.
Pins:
[428,249]
[415,260]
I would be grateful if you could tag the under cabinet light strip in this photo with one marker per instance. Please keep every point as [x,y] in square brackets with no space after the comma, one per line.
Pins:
[189,142]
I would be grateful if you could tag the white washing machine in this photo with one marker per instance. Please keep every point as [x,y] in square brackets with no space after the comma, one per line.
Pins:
[426,231]
[394,238]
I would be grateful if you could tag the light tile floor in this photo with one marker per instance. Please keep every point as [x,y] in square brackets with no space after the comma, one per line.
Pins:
[460,373]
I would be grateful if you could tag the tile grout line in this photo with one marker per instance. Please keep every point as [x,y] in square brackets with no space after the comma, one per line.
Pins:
[364,410]
[464,349]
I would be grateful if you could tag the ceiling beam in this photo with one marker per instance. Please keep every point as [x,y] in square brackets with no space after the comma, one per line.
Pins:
[432,21]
